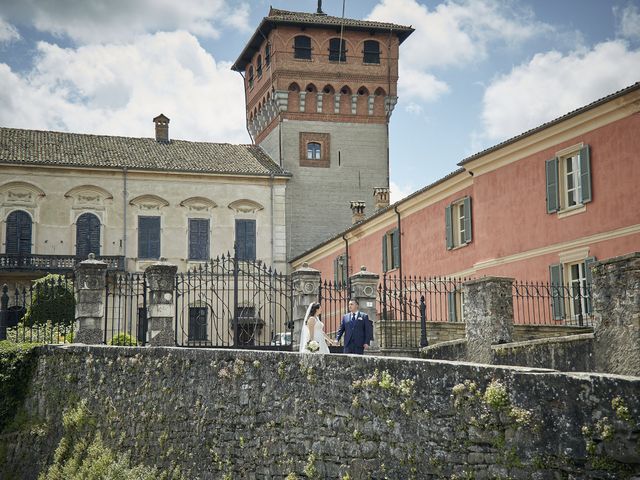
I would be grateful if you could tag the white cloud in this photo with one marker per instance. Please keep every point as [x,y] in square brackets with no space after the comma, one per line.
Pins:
[452,34]
[414,108]
[97,21]
[398,192]
[8,32]
[629,21]
[553,84]
[118,89]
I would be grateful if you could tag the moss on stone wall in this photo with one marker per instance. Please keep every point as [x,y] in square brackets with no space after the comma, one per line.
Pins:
[17,363]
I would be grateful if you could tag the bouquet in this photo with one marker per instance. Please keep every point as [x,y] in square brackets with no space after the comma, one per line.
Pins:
[313,346]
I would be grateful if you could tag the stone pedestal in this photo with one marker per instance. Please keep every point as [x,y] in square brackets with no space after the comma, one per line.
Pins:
[160,323]
[364,286]
[90,283]
[306,284]
[488,316]
[615,292]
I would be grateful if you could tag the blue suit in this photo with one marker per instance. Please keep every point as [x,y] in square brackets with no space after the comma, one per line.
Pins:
[356,332]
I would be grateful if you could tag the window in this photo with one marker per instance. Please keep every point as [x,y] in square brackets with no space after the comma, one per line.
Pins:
[340,274]
[19,230]
[87,235]
[246,239]
[197,324]
[248,327]
[371,52]
[250,77]
[302,47]
[313,151]
[198,239]
[571,289]
[337,50]
[569,180]
[267,55]
[148,237]
[391,250]
[458,223]
[259,66]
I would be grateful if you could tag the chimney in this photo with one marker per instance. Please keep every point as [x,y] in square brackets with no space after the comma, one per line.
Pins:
[162,128]
[357,209]
[381,197]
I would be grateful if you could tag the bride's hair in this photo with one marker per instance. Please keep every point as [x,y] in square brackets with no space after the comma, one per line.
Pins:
[314,308]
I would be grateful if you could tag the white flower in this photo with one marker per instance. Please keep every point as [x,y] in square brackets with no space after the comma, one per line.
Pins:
[313,346]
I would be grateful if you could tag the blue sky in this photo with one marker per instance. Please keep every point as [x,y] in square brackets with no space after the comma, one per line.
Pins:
[474,73]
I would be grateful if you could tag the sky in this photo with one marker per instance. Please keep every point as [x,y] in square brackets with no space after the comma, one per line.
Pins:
[474,72]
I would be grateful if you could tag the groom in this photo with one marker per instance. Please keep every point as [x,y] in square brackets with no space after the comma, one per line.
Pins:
[357,330]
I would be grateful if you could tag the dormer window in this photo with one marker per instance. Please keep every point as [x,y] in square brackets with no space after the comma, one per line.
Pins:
[267,55]
[371,52]
[250,77]
[259,66]
[302,47]
[337,50]
[313,151]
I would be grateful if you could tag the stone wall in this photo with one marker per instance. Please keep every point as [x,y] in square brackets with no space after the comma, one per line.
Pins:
[260,415]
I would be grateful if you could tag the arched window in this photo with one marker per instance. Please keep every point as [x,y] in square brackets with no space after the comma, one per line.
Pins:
[313,151]
[267,55]
[337,50]
[371,52]
[250,77]
[18,237]
[302,47]
[259,66]
[87,235]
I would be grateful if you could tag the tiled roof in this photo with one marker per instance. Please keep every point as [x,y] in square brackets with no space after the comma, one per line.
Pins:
[35,147]
[548,124]
[285,17]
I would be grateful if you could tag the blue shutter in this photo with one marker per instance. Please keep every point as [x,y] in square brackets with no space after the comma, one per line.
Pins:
[553,200]
[395,243]
[467,220]
[451,301]
[246,239]
[87,235]
[149,237]
[585,174]
[19,230]
[198,239]
[448,224]
[384,253]
[557,291]
[588,262]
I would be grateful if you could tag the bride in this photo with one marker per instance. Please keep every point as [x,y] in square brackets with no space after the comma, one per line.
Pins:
[313,329]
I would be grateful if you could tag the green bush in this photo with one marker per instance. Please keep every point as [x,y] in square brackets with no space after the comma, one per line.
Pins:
[17,363]
[123,340]
[52,300]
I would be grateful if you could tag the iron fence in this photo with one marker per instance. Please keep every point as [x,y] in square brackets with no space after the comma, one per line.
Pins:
[539,303]
[125,309]
[407,304]
[42,312]
[334,298]
[228,302]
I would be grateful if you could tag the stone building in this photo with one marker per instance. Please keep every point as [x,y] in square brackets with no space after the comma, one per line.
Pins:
[132,201]
[320,91]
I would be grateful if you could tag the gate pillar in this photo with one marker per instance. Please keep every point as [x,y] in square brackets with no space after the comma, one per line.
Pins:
[160,323]
[306,285]
[90,282]
[364,287]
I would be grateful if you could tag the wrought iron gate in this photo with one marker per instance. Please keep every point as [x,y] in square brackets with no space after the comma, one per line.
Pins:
[125,309]
[228,302]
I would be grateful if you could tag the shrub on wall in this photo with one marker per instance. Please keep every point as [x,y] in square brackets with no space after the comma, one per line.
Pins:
[17,362]
[52,300]
[123,340]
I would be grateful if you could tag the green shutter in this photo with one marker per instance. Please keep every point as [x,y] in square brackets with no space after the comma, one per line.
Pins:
[557,291]
[395,243]
[553,200]
[384,253]
[585,174]
[588,262]
[345,270]
[335,272]
[451,301]
[467,219]
[448,226]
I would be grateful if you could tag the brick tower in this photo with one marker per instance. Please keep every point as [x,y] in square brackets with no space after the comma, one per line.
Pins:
[319,94]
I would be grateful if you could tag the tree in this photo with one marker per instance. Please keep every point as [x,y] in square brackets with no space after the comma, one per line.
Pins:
[52,301]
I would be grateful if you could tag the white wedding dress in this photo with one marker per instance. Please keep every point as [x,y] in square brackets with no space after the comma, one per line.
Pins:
[318,336]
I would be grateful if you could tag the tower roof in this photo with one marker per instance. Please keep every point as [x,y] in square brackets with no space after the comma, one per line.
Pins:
[284,17]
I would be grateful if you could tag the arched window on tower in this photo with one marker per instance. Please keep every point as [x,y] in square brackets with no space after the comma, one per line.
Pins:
[294,97]
[302,47]
[371,52]
[314,151]
[259,66]
[267,55]
[250,77]
[337,50]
